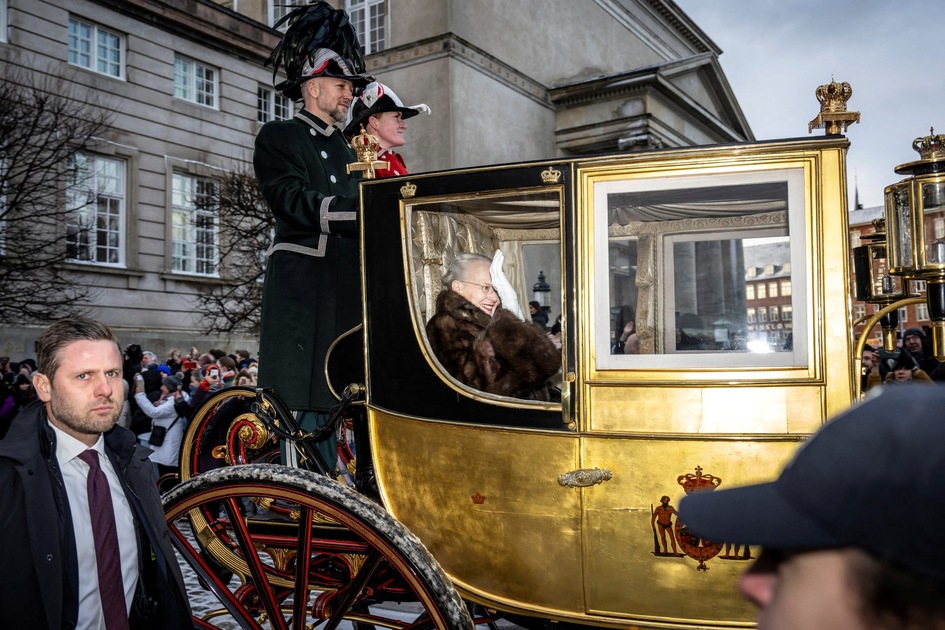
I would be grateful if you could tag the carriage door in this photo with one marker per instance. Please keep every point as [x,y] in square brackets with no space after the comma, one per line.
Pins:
[474,474]
[714,308]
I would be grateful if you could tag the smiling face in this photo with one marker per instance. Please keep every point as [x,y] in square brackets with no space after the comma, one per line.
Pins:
[84,397]
[328,98]
[913,344]
[476,287]
[389,128]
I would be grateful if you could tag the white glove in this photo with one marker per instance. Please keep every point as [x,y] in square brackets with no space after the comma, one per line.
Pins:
[503,287]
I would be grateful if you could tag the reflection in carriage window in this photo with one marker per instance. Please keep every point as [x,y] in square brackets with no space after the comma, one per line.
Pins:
[697,267]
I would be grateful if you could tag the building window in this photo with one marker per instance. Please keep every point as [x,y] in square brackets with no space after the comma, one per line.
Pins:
[773,313]
[855,240]
[922,312]
[773,289]
[751,316]
[918,286]
[859,311]
[749,292]
[4,174]
[270,105]
[95,221]
[194,225]
[93,47]
[369,18]
[762,291]
[785,288]
[762,314]
[279,8]
[3,20]
[939,228]
[903,315]
[195,82]
[787,313]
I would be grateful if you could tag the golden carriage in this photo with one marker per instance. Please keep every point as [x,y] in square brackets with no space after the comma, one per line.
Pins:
[733,262]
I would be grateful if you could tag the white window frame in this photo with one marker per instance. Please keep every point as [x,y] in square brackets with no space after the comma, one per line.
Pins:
[271,105]
[97,207]
[3,20]
[859,311]
[190,86]
[189,243]
[277,9]
[96,59]
[3,195]
[787,313]
[373,30]
[922,312]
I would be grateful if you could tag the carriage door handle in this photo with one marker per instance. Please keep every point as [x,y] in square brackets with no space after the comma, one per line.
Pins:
[584,477]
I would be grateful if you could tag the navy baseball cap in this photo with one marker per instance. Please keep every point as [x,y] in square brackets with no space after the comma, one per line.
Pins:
[871,478]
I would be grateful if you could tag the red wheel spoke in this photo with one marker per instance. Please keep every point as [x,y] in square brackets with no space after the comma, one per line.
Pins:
[264,590]
[303,563]
[354,589]
[210,578]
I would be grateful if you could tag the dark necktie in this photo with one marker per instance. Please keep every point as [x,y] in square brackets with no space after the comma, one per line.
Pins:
[107,554]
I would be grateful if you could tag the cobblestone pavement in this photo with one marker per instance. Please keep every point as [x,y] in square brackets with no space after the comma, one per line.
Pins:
[202,601]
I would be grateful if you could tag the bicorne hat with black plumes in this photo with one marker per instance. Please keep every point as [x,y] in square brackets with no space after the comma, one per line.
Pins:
[319,41]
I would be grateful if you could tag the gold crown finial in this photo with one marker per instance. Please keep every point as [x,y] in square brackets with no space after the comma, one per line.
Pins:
[408,190]
[550,175]
[833,115]
[930,147]
[367,148]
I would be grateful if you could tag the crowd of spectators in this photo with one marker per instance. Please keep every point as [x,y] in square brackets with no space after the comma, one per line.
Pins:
[157,393]
[912,362]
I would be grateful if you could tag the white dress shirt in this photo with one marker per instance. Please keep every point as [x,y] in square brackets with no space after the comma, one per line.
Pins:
[74,476]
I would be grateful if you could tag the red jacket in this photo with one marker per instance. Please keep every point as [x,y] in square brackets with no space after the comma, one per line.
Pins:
[396,162]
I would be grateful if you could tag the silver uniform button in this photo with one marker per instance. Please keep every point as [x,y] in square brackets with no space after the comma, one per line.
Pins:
[324,154]
[311,131]
[333,179]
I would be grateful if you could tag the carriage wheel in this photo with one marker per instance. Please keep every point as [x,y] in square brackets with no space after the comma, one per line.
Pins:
[353,563]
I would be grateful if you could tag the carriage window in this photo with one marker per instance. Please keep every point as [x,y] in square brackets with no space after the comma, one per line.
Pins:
[699,271]
[524,225]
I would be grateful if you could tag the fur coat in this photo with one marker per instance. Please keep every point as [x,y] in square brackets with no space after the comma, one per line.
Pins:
[499,354]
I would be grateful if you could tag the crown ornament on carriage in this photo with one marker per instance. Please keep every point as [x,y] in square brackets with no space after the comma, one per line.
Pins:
[931,147]
[367,147]
[833,116]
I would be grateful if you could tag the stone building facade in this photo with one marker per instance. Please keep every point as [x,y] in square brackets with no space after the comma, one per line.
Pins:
[185,79]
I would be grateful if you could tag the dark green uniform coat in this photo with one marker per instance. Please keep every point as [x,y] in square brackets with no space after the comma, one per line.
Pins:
[312,290]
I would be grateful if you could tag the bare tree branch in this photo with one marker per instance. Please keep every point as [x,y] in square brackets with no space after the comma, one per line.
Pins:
[246,227]
[44,125]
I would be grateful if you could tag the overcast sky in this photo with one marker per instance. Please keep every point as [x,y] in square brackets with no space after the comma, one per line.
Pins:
[776,52]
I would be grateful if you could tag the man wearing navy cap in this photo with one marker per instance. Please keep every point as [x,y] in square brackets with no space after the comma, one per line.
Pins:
[851,529]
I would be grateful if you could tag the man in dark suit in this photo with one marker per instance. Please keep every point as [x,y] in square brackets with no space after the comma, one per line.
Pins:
[54,569]
[312,289]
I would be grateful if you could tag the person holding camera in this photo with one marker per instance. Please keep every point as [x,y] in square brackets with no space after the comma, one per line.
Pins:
[167,424]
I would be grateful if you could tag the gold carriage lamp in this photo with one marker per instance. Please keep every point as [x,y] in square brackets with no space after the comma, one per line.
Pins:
[367,148]
[873,282]
[915,220]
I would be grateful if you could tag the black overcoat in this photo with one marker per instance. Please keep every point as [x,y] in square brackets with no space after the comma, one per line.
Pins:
[312,290]
[39,580]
